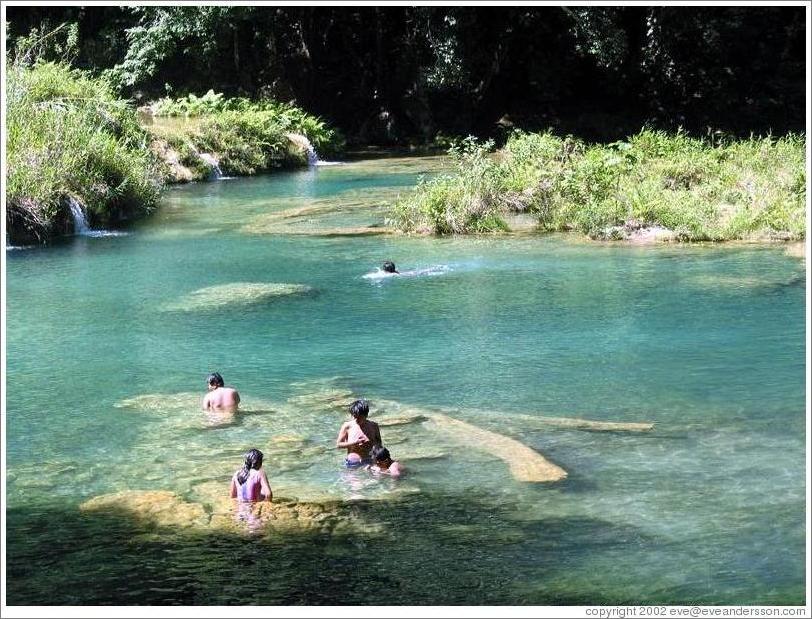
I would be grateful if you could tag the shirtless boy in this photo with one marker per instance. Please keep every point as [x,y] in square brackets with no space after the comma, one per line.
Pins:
[359,435]
[220,397]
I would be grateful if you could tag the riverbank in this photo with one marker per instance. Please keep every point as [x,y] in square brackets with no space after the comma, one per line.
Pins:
[200,138]
[71,141]
[79,156]
[77,150]
[652,187]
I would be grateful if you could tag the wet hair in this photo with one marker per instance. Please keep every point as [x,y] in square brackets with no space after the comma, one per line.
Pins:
[253,460]
[215,379]
[380,453]
[389,267]
[359,408]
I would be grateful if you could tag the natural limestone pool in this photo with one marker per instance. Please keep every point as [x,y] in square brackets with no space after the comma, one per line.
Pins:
[580,422]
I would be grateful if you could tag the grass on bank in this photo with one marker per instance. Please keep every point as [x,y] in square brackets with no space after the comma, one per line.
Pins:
[244,136]
[747,189]
[68,135]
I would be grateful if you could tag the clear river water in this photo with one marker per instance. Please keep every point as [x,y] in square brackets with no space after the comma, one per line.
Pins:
[117,482]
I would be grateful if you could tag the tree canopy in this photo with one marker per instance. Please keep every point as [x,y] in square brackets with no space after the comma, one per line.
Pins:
[389,74]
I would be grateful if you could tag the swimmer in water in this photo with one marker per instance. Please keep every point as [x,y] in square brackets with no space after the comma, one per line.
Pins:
[220,397]
[383,463]
[388,269]
[250,483]
[359,435]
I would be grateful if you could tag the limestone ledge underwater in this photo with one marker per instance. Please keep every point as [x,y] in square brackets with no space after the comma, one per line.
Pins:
[205,504]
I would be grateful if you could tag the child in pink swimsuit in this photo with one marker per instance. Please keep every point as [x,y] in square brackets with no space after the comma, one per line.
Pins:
[250,482]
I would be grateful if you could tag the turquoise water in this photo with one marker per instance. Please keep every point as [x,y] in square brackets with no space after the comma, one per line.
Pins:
[106,365]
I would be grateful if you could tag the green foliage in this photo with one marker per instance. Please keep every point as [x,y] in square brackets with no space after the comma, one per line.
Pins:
[740,189]
[244,142]
[409,72]
[68,135]
[253,117]
[42,45]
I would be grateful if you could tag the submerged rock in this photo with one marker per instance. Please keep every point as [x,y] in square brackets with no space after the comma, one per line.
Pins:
[330,399]
[218,512]
[162,402]
[239,293]
[401,420]
[525,463]
[284,228]
[717,281]
[151,507]
[575,423]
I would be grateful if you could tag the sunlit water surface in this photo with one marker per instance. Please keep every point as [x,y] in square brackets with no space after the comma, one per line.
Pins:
[706,342]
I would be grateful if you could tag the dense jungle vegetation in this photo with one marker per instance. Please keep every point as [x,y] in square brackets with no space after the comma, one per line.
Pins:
[712,97]
[385,74]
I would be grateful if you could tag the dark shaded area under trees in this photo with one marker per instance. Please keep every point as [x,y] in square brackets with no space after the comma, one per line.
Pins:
[406,74]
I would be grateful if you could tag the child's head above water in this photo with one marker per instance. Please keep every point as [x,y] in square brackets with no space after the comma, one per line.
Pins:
[215,380]
[253,460]
[381,454]
[389,267]
[359,408]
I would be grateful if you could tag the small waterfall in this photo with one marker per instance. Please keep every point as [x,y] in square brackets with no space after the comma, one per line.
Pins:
[216,173]
[300,141]
[80,226]
[312,155]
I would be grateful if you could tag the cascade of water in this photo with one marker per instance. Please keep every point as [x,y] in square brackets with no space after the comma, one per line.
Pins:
[312,155]
[216,173]
[80,226]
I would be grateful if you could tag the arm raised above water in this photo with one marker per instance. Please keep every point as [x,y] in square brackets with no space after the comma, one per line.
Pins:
[265,485]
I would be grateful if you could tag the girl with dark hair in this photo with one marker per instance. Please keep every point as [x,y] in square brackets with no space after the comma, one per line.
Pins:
[250,483]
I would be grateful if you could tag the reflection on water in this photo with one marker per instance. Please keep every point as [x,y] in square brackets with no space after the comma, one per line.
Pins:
[667,382]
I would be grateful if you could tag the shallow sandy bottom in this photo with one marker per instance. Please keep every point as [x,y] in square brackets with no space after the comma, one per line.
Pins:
[238,293]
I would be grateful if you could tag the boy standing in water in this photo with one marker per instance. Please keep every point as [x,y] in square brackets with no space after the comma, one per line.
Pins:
[220,397]
[359,435]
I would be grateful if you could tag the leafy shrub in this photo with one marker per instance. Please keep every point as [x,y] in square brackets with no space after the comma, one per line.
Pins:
[287,117]
[69,136]
[740,189]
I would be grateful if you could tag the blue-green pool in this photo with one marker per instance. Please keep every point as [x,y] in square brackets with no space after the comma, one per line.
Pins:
[706,342]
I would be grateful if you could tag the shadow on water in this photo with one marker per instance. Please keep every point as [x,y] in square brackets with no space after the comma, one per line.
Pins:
[113,559]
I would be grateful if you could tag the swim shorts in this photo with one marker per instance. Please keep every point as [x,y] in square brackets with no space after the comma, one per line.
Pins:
[355,464]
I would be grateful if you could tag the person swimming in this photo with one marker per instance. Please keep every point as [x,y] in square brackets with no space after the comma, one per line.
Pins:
[383,463]
[250,483]
[359,435]
[389,270]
